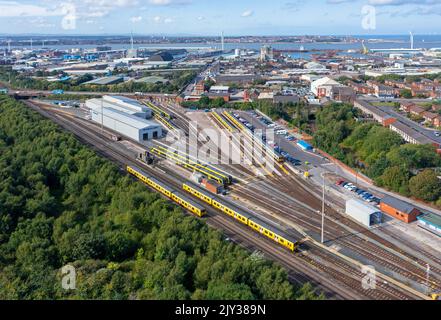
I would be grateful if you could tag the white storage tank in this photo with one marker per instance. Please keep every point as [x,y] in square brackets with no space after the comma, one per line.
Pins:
[365,214]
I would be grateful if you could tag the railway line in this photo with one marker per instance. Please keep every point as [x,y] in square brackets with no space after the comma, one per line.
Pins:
[110,149]
[361,242]
[379,241]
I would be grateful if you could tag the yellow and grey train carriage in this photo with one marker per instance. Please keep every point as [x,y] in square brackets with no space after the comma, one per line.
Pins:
[252,222]
[216,202]
[198,193]
[272,233]
[188,204]
[168,192]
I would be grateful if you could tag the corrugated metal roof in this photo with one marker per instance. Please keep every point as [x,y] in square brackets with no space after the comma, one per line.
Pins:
[432,219]
[398,204]
[365,208]
[128,119]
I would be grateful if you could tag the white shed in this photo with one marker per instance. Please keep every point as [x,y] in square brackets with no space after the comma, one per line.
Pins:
[365,214]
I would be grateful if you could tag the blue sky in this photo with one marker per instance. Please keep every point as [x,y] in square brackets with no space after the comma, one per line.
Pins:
[210,17]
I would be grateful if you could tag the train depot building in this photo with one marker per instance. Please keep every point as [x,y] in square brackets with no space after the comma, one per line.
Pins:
[124,116]
[367,215]
[399,209]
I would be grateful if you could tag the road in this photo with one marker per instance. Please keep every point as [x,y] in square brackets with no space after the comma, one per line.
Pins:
[210,69]
[428,133]
[29,93]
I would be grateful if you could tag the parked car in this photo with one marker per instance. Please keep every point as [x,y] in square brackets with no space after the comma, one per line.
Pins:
[339,183]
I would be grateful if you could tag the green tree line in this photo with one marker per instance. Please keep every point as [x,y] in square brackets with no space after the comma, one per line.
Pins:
[60,204]
[411,170]
[177,80]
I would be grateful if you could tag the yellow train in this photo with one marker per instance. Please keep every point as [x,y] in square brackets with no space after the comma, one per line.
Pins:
[248,220]
[166,191]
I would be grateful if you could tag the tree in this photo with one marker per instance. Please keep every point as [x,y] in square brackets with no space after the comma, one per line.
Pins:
[426,186]
[61,203]
[396,178]
[406,94]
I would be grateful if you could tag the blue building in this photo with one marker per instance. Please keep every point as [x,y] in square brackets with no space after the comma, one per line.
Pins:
[304,145]
[71,57]
[431,222]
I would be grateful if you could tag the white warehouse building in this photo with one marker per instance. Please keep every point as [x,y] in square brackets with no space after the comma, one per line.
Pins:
[123,104]
[365,214]
[133,127]
[125,116]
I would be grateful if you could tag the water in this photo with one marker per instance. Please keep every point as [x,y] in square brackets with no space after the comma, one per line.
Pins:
[384,42]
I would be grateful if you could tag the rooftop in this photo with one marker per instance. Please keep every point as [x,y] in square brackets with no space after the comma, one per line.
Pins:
[411,132]
[432,219]
[398,204]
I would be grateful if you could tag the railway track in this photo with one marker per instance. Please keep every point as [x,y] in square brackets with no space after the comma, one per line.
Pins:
[309,218]
[433,261]
[109,149]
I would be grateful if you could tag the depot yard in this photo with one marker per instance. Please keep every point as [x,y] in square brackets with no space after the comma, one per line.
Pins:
[283,196]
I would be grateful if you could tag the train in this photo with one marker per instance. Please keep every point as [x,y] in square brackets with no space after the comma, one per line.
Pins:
[175,196]
[183,160]
[248,220]
[244,218]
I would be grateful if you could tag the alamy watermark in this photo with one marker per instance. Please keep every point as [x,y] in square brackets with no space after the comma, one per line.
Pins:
[69,20]
[369,17]
[221,147]
[69,277]
[369,281]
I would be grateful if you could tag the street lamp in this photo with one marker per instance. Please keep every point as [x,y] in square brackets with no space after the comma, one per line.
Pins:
[323,210]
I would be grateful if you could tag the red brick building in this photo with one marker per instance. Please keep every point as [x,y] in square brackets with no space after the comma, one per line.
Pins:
[399,209]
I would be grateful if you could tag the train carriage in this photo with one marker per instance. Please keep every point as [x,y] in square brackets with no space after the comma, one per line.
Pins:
[160,187]
[188,204]
[246,219]
[138,173]
[197,192]
[168,192]
[272,233]
[240,216]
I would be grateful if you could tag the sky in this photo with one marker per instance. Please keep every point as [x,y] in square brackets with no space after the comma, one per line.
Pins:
[211,17]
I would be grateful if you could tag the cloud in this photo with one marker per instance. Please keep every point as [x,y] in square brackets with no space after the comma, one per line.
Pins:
[391,2]
[169,2]
[159,19]
[15,9]
[403,2]
[247,13]
[293,5]
[136,19]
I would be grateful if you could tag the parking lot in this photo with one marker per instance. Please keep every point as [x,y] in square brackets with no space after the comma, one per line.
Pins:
[284,143]
[360,193]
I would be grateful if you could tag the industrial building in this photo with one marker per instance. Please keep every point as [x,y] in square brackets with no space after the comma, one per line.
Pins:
[399,209]
[365,214]
[125,116]
[123,104]
[133,127]
[431,222]
[105,81]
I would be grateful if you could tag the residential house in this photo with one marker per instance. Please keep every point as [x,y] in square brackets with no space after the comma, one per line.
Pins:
[405,106]
[416,110]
